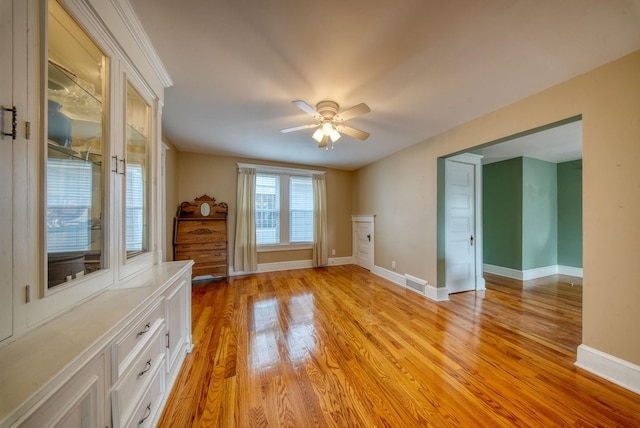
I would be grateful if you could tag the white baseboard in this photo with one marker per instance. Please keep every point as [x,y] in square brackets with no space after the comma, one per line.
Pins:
[614,369]
[292,265]
[275,267]
[525,275]
[502,271]
[439,294]
[431,292]
[394,277]
[337,261]
[570,271]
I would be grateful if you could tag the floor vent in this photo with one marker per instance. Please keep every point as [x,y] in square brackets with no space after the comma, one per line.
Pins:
[416,284]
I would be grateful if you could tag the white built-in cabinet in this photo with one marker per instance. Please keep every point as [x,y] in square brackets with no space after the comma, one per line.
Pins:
[93,326]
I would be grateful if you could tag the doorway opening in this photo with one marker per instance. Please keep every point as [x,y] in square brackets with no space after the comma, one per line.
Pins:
[531,204]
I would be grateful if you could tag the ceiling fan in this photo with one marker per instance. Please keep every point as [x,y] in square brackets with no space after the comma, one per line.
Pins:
[330,121]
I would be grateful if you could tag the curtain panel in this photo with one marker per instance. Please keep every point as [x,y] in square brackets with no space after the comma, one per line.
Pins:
[245,257]
[320,244]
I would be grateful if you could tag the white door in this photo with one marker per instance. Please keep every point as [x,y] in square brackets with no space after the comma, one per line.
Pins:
[460,259]
[363,244]
[6,170]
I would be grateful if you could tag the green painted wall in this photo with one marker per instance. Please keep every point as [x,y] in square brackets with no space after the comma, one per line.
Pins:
[570,213]
[502,213]
[532,213]
[539,214]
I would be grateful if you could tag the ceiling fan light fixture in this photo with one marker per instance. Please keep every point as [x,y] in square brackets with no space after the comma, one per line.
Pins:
[329,123]
[318,135]
[334,135]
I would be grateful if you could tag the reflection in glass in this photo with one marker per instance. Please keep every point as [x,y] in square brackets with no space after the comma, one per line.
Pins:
[74,178]
[137,174]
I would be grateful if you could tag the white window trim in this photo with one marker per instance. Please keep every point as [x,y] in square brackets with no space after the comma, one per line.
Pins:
[284,222]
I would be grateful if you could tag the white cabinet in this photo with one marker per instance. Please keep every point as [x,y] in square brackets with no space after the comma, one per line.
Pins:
[80,182]
[85,312]
[77,403]
[147,368]
[178,317]
[104,363]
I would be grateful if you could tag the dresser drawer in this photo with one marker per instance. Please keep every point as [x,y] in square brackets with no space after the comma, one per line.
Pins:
[131,385]
[203,256]
[214,269]
[204,246]
[148,408]
[125,349]
[201,231]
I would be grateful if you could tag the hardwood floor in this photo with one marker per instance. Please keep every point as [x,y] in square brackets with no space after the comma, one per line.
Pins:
[340,347]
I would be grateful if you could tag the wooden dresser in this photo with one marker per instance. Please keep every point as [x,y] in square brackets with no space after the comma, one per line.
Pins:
[201,235]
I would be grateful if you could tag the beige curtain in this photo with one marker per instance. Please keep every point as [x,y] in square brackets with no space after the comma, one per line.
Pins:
[320,245]
[245,257]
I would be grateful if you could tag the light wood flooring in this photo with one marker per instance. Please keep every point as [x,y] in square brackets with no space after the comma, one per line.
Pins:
[341,347]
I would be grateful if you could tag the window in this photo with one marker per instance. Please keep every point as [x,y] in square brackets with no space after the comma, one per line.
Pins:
[284,209]
[267,209]
[300,209]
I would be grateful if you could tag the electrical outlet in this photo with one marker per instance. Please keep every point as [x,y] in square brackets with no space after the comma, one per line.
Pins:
[393,264]
[333,252]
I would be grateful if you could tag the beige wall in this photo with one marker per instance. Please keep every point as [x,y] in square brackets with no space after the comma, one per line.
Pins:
[402,190]
[171,195]
[216,176]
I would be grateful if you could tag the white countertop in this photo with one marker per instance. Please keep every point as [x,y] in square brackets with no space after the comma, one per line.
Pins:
[36,364]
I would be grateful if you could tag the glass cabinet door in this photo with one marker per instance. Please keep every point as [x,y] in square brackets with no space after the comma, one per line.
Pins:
[137,174]
[75,238]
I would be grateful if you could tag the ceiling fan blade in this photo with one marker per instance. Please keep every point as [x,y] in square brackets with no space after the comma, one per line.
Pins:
[324,141]
[355,111]
[298,128]
[353,132]
[305,107]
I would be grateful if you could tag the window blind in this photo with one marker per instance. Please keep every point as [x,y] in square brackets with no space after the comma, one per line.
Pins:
[69,184]
[267,209]
[300,209]
[135,207]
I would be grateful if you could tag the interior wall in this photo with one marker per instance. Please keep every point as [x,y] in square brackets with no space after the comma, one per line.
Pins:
[171,196]
[216,176]
[532,213]
[502,213]
[539,214]
[570,213]
[402,191]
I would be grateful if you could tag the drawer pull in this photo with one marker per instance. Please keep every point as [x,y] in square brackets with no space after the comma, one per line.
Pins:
[144,330]
[147,413]
[147,367]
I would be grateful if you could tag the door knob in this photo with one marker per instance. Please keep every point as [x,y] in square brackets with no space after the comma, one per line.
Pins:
[369,237]
[471,240]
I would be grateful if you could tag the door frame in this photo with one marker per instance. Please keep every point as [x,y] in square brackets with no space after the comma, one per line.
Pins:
[363,218]
[476,161]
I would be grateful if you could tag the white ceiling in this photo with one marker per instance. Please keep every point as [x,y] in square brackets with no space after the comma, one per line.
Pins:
[423,66]
[558,144]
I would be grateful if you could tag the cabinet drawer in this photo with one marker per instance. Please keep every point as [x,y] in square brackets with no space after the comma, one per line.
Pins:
[203,256]
[127,347]
[131,385]
[206,246]
[148,410]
